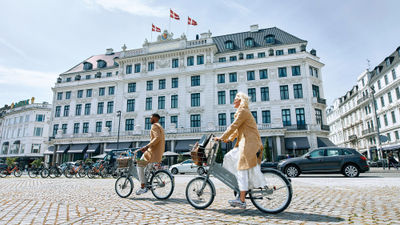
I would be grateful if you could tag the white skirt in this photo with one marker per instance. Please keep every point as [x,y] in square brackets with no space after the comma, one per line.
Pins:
[247,179]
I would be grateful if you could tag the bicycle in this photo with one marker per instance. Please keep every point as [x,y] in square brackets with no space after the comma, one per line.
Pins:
[55,171]
[8,171]
[36,171]
[160,182]
[273,198]
[73,170]
[97,170]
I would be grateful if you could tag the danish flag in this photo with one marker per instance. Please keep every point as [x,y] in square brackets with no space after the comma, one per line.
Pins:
[154,28]
[173,15]
[191,21]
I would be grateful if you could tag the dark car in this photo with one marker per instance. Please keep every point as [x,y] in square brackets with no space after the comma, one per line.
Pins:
[347,161]
[265,164]
[3,166]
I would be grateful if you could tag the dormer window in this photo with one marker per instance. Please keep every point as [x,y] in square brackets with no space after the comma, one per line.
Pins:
[229,45]
[270,39]
[87,66]
[115,62]
[249,42]
[101,64]
[388,61]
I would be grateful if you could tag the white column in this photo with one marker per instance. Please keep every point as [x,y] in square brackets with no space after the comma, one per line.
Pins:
[172,145]
[278,146]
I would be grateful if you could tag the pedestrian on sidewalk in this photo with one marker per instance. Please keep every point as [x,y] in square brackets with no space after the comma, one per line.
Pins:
[392,161]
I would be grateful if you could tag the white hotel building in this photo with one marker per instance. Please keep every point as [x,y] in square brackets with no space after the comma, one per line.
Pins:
[352,119]
[191,84]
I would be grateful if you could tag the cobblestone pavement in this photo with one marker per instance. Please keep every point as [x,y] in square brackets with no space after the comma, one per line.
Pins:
[369,199]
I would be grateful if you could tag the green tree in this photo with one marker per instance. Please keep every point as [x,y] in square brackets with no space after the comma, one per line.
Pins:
[180,158]
[267,151]
[220,156]
[10,161]
[37,163]
[88,161]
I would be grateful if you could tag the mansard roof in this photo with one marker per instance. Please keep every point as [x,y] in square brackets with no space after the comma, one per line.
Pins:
[108,58]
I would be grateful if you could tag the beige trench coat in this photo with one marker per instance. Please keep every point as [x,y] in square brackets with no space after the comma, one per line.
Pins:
[244,128]
[156,145]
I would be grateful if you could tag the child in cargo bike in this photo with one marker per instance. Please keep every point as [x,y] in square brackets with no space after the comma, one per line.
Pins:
[244,160]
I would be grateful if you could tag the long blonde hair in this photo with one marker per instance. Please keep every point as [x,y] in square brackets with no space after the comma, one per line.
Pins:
[244,100]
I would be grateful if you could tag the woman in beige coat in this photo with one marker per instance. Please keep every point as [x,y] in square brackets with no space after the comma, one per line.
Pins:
[244,160]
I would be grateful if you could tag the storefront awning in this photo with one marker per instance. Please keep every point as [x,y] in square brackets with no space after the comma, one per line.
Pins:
[297,143]
[50,150]
[93,148]
[17,142]
[391,148]
[184,145]
[77,148]
[324,142]
[5,143]
[121,145]
[63,149]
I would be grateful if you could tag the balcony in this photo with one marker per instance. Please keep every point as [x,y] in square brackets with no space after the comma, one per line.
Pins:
[295,127]
[264,126]
[321,101]
[325,127]
[368,131]
[353,137]
[365,97]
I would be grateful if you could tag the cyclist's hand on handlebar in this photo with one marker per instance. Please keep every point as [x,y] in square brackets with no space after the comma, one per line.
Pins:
[219,139]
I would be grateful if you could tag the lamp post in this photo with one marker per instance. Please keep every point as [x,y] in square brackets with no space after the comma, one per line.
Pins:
[119,125]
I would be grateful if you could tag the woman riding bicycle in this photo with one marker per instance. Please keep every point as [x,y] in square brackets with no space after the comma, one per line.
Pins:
[244,160]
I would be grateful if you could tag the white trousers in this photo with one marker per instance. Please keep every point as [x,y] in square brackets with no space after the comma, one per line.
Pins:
[140,171]
[247,179]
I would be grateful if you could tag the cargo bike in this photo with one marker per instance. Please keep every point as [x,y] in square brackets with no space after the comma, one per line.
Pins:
[200,191]
[160,182]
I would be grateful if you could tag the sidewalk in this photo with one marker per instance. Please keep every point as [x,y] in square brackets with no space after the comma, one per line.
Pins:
[381,170]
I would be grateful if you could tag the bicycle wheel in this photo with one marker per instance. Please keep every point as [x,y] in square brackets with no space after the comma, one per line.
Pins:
[17,173]
[32,173]
[276,196]
[68,173]
[124,186]
[82,172]
[53,172]
[44,173]
[162,184]
[3,173]
[197,196]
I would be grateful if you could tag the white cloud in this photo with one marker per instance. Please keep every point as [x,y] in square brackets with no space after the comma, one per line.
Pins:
[13,48]
[135,7]
[26,78]
[237,6]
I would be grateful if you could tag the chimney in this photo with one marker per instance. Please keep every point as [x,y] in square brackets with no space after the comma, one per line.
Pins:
[313,52]
[254,28]
[109,51]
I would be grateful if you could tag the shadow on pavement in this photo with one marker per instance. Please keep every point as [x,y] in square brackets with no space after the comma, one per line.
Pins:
[161,202]
[310,217]
[343,177]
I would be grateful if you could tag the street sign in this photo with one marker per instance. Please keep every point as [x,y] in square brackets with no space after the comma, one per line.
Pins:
[383,138]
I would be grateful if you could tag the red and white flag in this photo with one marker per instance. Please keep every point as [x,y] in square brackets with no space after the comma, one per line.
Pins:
[191,21]
[154,28]
[173,15]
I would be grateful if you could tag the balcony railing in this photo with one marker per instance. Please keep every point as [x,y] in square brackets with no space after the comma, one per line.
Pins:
[295,127]
[365,97]
[325,127]
[352,137]
[368,131]
[321,101]
[264,126]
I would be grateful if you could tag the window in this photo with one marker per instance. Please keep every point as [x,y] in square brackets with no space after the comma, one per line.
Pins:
[270,39]
[315,90]
[111,90]
[249,42]
[76,128]
[254,113]
[66,110]
[102,91]
[109,74]
[130,105]
[300,117]
[221,97]
[190,61]
[298,90]
[59,95]
[85,128]
[110,107]
[55,129]
[379,84]
[250,56]
[286,117]
[137,68]
[229,45]
[109,125]
[88,93]
[282,72]
[35,148]
[390,97]
[291,51]
[149,85]
[78,109]
[296,71]
[195,99]
[222,59]
[87,77]
[232,95]
[263,74]
[232,117]
[128,69]
[80,94]
[195,80]
[252,94]
[261,55]
[101,64]
[100,107]
[162,121]
[266,116]
[251,75]
[318,116]
[279,52]
[386,79]
[98,126]
[389,138]
[200,59]
[161,84]
[174,82]
[39,118]
[149,103]
[147,124]
[161,102]
[264,94]
[174,120]
[68,95]
[175,63]
[394,74]
[37,131]
[129,124]
[87,66]
[131,87]
[284,92]
[195,120]
[221,78]
[222,119]
[87,108]
[233,58]
[396,134]
[393,117]
[174,101]
[385,120]
[232,77]
[382,101]
[150,66]
[378,121]
[398,93]
[317,153]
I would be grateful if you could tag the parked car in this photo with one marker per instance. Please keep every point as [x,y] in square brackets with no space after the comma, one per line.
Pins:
[347,161]
[187,166]
[265,164]
[3,166]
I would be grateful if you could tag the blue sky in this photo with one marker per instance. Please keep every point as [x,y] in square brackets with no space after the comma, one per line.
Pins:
[40,39]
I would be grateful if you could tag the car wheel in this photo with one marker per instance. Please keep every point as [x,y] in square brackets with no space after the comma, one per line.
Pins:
[201,171]
[174,171]
[351,170]
[292,171]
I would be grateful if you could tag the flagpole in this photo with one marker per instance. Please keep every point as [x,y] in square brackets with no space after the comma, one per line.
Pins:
[169,25]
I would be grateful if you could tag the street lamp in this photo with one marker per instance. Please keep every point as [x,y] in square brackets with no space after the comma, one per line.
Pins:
[119,125]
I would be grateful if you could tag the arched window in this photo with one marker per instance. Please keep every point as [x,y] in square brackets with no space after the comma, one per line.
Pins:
[229,45]
[101,64]
[4,148]
[115,62]
[249,42]
[87,66]
[270,39]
